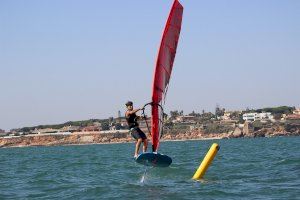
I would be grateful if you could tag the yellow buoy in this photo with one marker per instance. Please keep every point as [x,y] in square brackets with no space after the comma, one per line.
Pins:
[206,161]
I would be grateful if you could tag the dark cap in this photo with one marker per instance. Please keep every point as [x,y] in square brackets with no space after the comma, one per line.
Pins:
[129,103]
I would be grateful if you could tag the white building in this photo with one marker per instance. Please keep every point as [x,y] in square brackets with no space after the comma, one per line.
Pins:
[297,111]
[266,116]
[226,116]
[249,116]
[258,116]
[185,118]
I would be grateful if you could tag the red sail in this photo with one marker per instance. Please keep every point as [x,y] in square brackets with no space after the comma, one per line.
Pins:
[163,69]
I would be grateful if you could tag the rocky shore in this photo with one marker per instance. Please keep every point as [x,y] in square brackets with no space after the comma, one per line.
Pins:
[95,137]
[71,139]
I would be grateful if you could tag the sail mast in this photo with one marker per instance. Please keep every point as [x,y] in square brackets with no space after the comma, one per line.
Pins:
[163,69]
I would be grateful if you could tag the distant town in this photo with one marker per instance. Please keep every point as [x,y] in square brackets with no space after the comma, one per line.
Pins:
[221,121]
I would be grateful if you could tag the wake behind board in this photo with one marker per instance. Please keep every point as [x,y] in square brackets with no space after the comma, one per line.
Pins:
[154,159]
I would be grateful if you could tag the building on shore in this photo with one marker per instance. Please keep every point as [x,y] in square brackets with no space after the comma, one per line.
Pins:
[185,119]
[122,121]
[97,124]
[249,116]
[91,128]
[45,131]
[226,116]
[296,111]
[230,116]
[293,117]
[70,129]
[248,129]
[3,133]
[258,116]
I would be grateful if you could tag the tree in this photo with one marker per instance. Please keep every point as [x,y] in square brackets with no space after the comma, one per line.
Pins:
[118,126]
[105,125]
[165,116]
[194,114]
[219,111]
[277,110]
[277,116]
[257,125]
[235,115]
[174,114]
[111,119]
[207,116]
[25,129]
[241,120]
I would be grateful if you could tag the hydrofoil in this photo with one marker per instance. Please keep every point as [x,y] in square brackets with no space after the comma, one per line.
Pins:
[154,159]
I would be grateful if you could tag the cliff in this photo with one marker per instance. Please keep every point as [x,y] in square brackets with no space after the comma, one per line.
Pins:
[118,137]
[74,138]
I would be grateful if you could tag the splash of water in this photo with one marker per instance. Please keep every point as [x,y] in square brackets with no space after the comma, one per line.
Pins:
[144,175]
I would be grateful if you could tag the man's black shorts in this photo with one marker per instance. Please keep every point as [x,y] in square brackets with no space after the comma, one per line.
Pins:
[137,133]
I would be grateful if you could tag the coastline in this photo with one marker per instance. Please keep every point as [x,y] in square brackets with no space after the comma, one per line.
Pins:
[80,138]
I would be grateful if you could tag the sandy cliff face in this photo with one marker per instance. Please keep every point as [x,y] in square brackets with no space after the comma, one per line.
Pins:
[97,137]
[195,134]
[75,138]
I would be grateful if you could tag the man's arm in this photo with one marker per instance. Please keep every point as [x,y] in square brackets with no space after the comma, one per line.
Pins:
[133,111]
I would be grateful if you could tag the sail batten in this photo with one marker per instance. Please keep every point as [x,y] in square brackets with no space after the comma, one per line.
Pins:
[163,69]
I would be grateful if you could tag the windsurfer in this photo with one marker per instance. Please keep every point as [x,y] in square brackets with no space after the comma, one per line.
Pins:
[135,131]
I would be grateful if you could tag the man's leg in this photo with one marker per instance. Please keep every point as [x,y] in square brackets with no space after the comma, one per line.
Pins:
[145,145]
[143,137]
[137,147]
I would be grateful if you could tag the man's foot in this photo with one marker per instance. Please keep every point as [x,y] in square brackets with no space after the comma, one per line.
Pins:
[135,156]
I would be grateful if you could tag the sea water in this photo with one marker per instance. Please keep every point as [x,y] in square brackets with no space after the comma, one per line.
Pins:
[246,168]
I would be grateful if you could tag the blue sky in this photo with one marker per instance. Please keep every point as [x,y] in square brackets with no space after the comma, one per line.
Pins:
[63,60]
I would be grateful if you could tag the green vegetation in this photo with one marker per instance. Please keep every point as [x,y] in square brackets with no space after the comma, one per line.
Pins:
[277,110]
[257,125]
[217,128]
[207,120]
[105,125]
[176,128]
[206,117]
[175,113]
[219,111]
[82,123]
[194,114]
